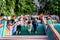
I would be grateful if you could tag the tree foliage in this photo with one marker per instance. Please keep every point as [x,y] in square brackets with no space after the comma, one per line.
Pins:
[8,7]
[52,6]
[17,7]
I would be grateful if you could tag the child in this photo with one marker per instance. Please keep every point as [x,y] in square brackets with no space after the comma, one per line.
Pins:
[35,24]
[10,27]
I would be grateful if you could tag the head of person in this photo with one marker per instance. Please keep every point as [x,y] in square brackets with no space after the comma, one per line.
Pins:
[34,18]
[21,16]
[4,18]
[55,21]
[9,23]
[48,18]
[0,16]
[41,15]
[9,17]
[13,17]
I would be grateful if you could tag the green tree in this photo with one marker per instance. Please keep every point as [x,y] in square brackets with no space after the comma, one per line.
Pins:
[24,7]
[53,6]
[9,7]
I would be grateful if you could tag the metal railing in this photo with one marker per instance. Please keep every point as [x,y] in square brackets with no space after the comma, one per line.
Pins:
[54,31]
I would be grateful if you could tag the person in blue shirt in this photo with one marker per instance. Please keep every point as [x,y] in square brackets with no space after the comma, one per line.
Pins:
[35,24]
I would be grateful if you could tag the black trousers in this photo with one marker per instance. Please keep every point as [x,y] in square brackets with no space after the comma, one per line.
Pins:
[19,28]
[34,26]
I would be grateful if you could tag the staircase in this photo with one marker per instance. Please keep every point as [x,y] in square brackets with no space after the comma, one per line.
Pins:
[42,37]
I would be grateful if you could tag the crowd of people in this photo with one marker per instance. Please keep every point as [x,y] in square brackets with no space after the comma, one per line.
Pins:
[28,21]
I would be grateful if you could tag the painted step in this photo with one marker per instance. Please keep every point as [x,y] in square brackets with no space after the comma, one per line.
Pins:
[42,37]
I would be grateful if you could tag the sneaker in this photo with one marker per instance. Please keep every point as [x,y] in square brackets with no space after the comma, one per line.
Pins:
[29,31]
[35,32]
[20,32]
[16,32]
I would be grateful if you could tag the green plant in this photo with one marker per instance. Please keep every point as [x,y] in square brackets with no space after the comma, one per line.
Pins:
[17,7]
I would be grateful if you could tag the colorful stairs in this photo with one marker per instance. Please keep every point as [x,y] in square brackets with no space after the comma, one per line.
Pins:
[40,30]
[26,36]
